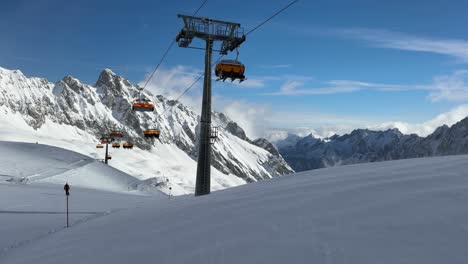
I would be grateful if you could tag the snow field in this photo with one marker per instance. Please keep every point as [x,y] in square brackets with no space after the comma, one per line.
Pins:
[407,211]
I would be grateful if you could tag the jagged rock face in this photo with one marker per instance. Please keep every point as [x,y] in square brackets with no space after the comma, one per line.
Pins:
[364,145]
[267,145]
[449,141]
[106,106]
[236,130]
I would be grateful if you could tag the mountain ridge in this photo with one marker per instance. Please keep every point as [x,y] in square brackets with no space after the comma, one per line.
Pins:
[91,110]
[365,145]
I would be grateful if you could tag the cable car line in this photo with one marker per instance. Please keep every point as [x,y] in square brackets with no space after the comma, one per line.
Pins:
[190,86]
[159,64]
[199,48]
[200,7]
[271,17]
[167,51]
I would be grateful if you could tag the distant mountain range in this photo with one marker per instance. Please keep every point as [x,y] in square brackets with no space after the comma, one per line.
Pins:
[363,145]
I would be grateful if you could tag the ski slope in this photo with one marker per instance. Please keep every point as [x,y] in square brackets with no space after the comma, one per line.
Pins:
[29,212]
[32,200]
[30,162]
[407,211]
[162,162]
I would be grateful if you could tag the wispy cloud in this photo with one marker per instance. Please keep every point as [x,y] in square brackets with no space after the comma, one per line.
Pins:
[171,83]
[450,87]
[296,88]
[276,66]
[457,48]
[253,118]
[379,86]
[324,125]
[425,128]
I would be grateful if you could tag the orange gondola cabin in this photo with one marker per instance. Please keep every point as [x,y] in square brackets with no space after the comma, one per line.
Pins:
[151,133]
[232,69]
[116,145]
[115,134]
[127,145]
[105,141]
[99,146]
[143,105]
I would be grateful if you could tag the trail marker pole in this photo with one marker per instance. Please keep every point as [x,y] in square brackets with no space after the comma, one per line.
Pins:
[67,193]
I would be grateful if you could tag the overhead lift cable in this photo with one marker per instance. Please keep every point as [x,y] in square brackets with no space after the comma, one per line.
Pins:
[167,51]
[249,32]
[191,85]
[271,17]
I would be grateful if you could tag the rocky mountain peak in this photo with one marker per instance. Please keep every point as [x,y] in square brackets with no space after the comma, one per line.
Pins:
[73,83]
[439,132]
[233,128]
[308,140]
[267,145]
[113,83]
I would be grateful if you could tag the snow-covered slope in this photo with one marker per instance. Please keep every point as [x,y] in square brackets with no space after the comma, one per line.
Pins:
[407,211]
[29,212]
[73,115]
[26,163]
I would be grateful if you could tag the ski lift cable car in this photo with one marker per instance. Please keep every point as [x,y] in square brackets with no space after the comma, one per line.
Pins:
[116,133]
[232,69]
[127,145]
[152,133]
[142,104]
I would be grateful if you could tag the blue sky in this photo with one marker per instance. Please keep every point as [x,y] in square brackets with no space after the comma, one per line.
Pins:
[336,64]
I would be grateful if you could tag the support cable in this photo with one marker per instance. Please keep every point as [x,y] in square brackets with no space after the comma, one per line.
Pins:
[167,51]
[190,86]
[271,17]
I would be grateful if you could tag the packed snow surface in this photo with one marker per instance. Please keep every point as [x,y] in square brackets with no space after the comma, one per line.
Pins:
[30,162]
[407,211]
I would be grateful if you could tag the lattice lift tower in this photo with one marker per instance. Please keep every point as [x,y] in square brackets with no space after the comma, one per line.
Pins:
[210,30]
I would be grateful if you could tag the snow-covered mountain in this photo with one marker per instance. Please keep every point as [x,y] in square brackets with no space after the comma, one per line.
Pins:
[74,115]
[363,145]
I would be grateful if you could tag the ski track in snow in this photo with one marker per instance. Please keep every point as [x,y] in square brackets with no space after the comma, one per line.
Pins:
[57,171]
[19,244]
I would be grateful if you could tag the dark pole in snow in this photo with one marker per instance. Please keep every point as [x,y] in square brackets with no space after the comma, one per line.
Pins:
[107,153]
[67,193]
[67,212]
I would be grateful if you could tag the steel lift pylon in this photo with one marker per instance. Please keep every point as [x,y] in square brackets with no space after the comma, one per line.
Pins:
[231,36]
